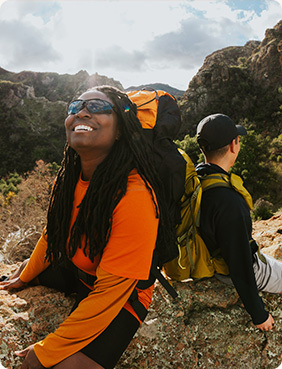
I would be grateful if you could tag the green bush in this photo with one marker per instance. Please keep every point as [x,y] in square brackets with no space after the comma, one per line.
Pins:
[10,184]
[262,210]
[254,165]
[191,147]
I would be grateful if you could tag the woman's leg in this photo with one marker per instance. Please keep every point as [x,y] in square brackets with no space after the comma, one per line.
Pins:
[109,346]
[78,361]
[105,351]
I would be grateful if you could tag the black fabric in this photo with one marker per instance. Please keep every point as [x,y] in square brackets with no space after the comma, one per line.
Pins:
[61,278]
[108,347]
[171,168]
[225,223]
[170,164]
[168,118]
[155,273]
[138,307]
[216,131]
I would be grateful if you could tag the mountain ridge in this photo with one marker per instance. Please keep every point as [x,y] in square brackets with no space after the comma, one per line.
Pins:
[241,81]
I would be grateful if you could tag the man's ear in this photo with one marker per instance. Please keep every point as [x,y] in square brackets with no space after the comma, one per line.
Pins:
[232,145]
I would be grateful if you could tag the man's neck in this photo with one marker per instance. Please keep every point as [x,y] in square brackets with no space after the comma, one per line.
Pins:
[224,164]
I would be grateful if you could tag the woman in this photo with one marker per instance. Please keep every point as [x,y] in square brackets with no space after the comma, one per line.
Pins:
[102,228]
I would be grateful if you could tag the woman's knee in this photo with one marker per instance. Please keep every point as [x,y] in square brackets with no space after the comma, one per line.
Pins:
[78,361]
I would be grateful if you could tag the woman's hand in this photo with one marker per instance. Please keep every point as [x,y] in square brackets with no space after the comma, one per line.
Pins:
[31,361]
[14,282]
[10,284]
[267,325]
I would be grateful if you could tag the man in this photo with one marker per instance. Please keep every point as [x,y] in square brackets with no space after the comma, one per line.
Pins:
[226,225]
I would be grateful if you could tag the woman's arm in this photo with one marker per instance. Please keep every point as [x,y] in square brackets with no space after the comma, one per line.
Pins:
[30,268]
[37,263]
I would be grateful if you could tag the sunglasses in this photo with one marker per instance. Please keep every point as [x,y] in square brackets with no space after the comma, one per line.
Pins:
[94,106]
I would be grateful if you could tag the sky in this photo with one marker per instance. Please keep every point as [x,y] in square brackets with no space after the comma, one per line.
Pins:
[133,42]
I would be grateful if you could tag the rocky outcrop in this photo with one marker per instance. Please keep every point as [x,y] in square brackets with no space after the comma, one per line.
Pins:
[268,234]
[239,81]
[54,86]
[206,327]
[265,63]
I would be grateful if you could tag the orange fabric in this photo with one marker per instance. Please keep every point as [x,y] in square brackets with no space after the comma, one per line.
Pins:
[88,320]
[126,259]
[36,264]
[145,297]
[147,113]
[130,248]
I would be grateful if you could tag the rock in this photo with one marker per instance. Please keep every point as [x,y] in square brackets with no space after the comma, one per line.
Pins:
[268,234]
[235,81]
[206,327]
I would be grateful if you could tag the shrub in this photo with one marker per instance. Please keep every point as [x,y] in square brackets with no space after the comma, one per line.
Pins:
[23,216]
[262,210]
[191,147]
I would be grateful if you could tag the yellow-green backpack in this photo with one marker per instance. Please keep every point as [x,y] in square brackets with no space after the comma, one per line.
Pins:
[194,259]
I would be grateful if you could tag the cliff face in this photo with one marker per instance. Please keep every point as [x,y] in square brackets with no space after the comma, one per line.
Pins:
[242,82]
[32,114]
[31,127]
[206,327]
[54,86]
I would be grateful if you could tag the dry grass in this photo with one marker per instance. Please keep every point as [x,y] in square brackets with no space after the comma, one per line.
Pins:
[23,219]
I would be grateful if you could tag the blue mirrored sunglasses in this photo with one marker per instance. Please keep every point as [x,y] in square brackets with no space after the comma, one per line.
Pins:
[94,106]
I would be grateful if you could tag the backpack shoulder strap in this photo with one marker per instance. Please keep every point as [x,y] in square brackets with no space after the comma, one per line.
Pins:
[224,180]
[214,180]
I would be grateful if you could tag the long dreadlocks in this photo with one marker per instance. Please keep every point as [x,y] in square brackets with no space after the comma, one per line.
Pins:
[106,188]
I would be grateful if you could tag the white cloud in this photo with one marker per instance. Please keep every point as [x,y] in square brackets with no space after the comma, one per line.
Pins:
[135,42]
[188,47]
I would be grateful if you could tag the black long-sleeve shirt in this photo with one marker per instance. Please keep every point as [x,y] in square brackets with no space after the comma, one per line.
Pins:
[225,224]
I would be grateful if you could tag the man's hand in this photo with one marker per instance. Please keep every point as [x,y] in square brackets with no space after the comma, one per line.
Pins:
[267,325]
[10,284]
[31,361]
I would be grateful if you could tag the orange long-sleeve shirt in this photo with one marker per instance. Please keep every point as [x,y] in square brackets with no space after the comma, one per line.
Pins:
[126,259]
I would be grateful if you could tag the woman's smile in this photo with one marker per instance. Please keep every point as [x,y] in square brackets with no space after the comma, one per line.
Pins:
[83,128]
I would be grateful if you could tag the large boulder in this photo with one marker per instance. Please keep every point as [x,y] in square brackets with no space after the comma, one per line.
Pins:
[243,82]
[206,327]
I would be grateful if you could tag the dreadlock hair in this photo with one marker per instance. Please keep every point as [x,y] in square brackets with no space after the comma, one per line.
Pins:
[106,188]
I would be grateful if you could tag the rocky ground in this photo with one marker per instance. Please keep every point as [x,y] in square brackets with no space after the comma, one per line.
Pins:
[206,327]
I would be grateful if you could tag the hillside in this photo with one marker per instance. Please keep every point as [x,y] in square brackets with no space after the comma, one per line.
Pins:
[241,81]
[32,114]
[54,86]
[159,86]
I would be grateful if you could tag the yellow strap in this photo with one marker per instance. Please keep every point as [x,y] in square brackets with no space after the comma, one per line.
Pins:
[179,259]
[224,180]
[237,184]
[189,253]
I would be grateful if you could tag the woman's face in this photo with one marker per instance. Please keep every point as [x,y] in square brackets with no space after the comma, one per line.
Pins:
[92,133]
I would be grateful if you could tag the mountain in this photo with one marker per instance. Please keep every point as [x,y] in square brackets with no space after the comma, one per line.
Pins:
[32,114]
[54,86]
[158,86]
[243,82]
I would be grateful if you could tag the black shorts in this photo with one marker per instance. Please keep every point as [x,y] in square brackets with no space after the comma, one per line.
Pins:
[108,347]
